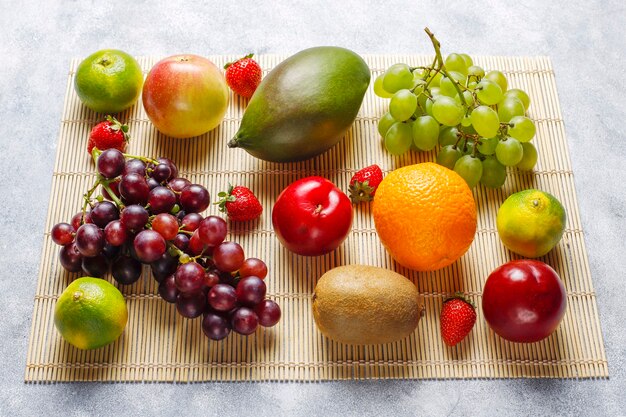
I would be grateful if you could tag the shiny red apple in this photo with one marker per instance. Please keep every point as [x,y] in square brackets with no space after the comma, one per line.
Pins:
[524,301]
[185,96]
[312,216]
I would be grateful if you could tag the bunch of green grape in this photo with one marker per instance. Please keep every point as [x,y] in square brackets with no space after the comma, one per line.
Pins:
[480,124]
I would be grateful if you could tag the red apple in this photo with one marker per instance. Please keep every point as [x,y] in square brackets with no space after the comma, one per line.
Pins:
[312,216]
[524,301]
[185,96]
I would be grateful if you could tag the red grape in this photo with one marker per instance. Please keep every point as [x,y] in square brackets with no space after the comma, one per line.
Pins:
[253,266]
[70,257]
[181,241]
[62,234]
[134,217]
[115,233]
[163,267]
[194,198]
[215,327]
[126,270]
[268,313]
[171,165]
[211,279]
[110,251]
[161,200]
[166,225]
[189,277]
[89,239]
[95,266]
[114,186]
[251,291]
[134,166]
[149,246]
[152,183]
[178,184]
[196,247]
[104,213]
[244,321]
[212,230]
[191,305]
[111,163]
[134,189]
[191,222]
[168,290]
[222,297]
[161,172]
[78,220]
[228,256]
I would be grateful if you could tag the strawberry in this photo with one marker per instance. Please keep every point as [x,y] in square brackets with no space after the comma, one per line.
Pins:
[364,183]
[243,76]
[240,204]
[458,316]
[108,134]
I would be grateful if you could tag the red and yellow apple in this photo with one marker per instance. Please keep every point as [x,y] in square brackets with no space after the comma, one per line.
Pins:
[185,96]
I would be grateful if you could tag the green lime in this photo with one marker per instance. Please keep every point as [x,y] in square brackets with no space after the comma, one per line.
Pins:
[531,222]
[90,313]
[108,81]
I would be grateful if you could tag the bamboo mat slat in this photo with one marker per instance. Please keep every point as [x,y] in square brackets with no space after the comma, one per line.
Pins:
[160,345]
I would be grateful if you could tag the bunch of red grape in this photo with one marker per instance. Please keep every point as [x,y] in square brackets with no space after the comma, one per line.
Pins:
[148,215]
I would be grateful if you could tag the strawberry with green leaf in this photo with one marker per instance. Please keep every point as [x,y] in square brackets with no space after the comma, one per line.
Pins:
[458,317]
[364,183]
[108,134]
[240,204]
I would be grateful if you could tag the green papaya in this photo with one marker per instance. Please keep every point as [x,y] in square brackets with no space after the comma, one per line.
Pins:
[304,106]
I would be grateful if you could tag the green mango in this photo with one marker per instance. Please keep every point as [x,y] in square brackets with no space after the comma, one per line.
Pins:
[304,106]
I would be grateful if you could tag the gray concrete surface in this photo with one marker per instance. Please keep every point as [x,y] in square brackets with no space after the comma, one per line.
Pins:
[585,39]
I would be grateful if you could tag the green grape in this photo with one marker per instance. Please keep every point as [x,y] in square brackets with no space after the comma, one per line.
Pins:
[455,62]
[488,92]
[498,78]
[428,107]
[435,91]
[487,146]
[530,157]
[446,86]
[494,173]
[402,105]
[509,108]
[485,121]
[470,169]
[448,155]
[385,123]
[425,133]
[472,85]
[434,78]
[417,81]
[522,128]
[447,111]
[466,121]
[378,87]
[476,71]
[448,135]
[519,94]
[399,138]
[509,152]
[469,98]
[468,60]
[468,130]
[397,77]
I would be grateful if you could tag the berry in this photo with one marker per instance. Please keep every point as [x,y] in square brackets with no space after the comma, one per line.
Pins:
[458,316]
[108,134]
[243,76]
[364,183]
[240,204]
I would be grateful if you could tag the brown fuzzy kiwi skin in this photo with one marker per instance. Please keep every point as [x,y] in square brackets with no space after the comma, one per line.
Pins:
[366,305]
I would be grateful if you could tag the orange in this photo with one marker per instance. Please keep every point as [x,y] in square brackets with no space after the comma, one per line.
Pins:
[425,215]
[90,313]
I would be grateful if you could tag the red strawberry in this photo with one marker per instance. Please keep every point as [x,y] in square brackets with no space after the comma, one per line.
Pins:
[458,316]
[364,183]
[108,134]
[243,76]
[240,204]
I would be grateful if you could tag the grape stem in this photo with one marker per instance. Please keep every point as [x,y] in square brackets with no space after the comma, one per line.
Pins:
[142,158]
[441,66]
[117,201]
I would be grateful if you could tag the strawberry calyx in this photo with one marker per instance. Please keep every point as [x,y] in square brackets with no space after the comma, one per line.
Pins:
[228,64]
[460,296]
[225,197]
[361,191]
[116,126]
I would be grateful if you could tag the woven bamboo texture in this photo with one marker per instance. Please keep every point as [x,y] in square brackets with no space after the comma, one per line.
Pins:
[160,345]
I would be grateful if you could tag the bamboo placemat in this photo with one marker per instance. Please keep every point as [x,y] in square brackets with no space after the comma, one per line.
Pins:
[160,345]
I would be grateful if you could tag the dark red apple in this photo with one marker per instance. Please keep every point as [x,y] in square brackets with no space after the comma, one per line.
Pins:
[524,301]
